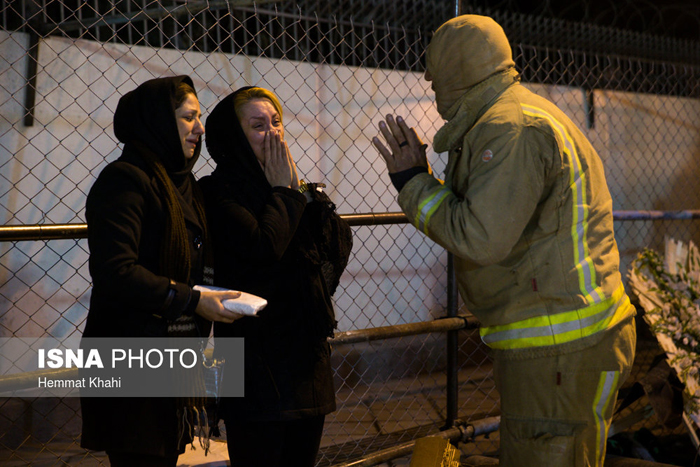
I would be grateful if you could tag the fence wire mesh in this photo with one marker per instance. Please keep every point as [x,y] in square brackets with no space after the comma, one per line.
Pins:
[64,65]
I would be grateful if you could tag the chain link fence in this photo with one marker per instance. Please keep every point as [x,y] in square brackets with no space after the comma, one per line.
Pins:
[64,65]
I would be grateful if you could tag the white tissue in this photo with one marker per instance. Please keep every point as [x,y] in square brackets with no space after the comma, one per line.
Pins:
[247,304]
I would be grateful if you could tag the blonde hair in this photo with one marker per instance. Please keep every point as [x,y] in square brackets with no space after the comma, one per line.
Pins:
[247,95]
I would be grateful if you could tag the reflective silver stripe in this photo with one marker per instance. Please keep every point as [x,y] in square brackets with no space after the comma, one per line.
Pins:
[551,329]
[561,327]
[606,389]
[429,206]
[577,180]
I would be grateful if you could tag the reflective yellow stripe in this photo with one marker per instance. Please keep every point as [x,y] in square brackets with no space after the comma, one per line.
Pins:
[607,388]
[579,225]
[427,208]
[559,328]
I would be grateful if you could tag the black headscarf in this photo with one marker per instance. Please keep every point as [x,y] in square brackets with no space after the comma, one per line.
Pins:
[145,119]
[145,122]
[229,147]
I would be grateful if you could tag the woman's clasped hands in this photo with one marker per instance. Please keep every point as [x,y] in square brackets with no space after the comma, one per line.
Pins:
[279,167]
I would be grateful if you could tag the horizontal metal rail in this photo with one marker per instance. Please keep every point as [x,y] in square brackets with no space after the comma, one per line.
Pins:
[28,380]
[402,330]
[375,218]
[656,215]
[18,233]
[459,433]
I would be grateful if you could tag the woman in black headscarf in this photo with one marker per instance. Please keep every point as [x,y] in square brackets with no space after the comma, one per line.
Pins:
[266,229]
[148,241]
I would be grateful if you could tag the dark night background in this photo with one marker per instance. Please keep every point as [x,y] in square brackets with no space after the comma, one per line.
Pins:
[672,18]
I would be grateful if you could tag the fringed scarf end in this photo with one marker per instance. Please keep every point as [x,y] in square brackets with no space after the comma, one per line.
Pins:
[195,423]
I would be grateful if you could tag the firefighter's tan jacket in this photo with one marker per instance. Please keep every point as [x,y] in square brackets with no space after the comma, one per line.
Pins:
[524,208]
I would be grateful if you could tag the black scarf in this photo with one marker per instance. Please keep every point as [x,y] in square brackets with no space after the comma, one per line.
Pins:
[145,122]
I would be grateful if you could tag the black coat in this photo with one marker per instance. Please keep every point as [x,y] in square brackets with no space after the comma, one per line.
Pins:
[262,246]
[126,222]
[287,361]
[126,226]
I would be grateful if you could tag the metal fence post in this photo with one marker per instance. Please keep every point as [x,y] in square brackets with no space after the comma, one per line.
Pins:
[452,346]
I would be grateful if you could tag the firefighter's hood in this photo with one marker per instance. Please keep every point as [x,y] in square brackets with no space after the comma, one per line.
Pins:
[463,52]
